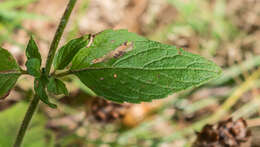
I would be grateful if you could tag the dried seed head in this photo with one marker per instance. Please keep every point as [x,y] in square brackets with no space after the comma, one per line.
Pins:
[107,111]
[226,133]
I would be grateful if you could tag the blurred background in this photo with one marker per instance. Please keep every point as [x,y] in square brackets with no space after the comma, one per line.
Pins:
[224,31]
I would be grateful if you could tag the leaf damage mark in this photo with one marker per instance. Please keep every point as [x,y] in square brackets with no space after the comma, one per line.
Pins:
[180,51]
[10,72]
[91,40]
[118,52]
[10,58]
[115,76]
[6,95]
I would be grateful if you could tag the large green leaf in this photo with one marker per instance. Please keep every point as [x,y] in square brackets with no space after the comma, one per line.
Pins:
[9,72]
[66,53]
[134,69]
[11,118]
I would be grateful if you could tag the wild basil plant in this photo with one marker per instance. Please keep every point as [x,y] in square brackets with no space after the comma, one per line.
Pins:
[116,64]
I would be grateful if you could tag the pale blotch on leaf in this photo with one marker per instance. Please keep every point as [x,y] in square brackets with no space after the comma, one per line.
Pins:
[91,40]
[118,52]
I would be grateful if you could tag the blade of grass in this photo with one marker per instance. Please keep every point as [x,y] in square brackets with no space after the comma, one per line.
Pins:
[236,70]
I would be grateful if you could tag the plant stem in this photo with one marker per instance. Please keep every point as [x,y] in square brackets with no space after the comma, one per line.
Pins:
[24,72]
[26,121]
[63,74]
[53,48]
[58,34]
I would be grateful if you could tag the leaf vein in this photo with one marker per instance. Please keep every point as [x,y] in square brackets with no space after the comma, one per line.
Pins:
[148,83]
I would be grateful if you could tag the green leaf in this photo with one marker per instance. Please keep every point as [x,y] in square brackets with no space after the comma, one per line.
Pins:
[66,53]
[57,87]
[36,135]
[39,88]
[9,72]
[34,67]
[32,50]
[139,70]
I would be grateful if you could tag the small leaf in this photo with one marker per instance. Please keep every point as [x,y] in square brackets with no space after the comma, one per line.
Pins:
[9,72]
[32,50]
[39,88]
[34,67]
[139,70]
[66,53]
[57,87]
[7,82]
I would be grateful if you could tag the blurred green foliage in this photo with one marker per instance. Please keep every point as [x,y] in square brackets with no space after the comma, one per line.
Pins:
[12,13]
[201,20]
[37,135]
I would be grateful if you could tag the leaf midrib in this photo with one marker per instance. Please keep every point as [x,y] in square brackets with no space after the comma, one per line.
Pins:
[6,72]
[141,68]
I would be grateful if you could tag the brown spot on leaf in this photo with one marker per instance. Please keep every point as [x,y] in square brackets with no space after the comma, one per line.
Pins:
[118,52]
[179,51]
[10,72]
[10,58]
[115,75]
[6,95]
[101,78]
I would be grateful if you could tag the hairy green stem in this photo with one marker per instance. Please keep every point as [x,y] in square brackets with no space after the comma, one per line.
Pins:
[26,121]
[58,34]
[53,48]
